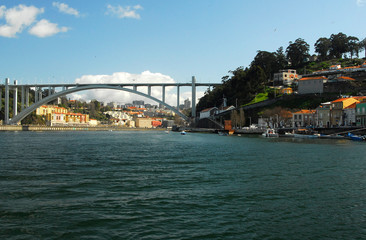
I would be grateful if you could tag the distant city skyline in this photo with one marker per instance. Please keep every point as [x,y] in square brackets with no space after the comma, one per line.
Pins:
[157,41]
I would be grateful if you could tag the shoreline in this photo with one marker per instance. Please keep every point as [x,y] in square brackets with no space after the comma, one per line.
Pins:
[72,128]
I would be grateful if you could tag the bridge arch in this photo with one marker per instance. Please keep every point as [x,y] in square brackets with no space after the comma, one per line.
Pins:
[20,116]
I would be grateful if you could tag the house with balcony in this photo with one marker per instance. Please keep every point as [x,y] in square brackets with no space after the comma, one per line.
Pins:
[285,77]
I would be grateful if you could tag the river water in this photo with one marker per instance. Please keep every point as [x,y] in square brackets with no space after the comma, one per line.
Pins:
[154,185]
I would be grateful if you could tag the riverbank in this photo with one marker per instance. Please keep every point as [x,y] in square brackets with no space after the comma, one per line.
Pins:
[73,128]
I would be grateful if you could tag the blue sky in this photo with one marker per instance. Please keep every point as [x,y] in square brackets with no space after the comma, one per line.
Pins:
[61,41]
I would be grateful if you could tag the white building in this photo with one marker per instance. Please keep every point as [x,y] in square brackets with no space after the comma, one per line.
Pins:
[285,77]
[208,112]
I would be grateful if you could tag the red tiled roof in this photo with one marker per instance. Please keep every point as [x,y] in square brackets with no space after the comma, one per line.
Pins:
[312,78]
[305,111]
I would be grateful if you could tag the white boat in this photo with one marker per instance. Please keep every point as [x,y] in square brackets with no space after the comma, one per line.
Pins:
[183,133]
[270,132]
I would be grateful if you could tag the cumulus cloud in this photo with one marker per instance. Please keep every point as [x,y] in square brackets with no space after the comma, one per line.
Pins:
[124,12]
[126,97]
[360,3]
[44,28]
[21,17]
[17,18]
[64,8]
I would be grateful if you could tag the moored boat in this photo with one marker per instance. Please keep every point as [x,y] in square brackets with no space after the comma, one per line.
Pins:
[270,132]
[305,133]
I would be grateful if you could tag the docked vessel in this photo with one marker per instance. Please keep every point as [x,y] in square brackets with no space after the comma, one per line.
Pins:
[270,132]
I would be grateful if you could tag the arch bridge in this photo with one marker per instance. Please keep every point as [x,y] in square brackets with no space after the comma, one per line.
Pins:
[58,90]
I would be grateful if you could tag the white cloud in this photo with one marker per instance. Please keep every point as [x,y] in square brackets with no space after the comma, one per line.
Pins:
[17,18]
[64,8]
[124,12]
[44,28]
[360,3]
[126,97]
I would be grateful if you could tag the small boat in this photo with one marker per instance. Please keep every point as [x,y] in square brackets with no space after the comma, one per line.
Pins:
[183,133]
[223,134]
[270,132]
[354,137]
[305,133]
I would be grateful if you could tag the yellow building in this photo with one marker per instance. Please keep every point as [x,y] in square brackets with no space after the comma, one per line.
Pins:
[61,116]
[143,122]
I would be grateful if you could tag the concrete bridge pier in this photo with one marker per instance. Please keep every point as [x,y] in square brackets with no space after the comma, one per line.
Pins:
[194,97]
[15,99]
[6,109]
[178,97]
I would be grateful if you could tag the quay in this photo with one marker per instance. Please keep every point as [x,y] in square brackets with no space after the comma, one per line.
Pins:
[72,128]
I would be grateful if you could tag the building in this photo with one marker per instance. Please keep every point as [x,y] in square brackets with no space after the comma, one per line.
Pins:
[311,85]
[323,115]
[138,103]
[285,77]
[187,104]
[112,104]
[349,114]
[61,116]
[337,117]
[143,122]
[208,112]
[361,114]
[304,118]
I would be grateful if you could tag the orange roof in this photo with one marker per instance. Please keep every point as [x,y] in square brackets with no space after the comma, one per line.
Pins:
[312,78]
[305,111]
[340,100]
[353,105]
[346,78]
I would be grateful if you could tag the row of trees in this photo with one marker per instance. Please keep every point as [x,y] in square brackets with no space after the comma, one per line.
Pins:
[339,45]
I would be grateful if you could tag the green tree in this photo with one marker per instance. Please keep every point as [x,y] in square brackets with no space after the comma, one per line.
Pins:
[362,45]
[322,47]
[297,52]
[353,46]
[267,61]
[339,45]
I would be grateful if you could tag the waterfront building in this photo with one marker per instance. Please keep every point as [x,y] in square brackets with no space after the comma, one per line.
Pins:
[303,118]
[337,107]
[61,116]
[143,122]
[349,114]
[285,77]
[361,114]
[311,85]
[323,115]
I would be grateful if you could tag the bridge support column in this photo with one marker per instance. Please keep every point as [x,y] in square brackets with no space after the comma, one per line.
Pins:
[22,99]
[15,99]
[40,94]
[178,97]
[6,113]
[149,90]
[163,97]
[27,97]
[194,97]
[36,94]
